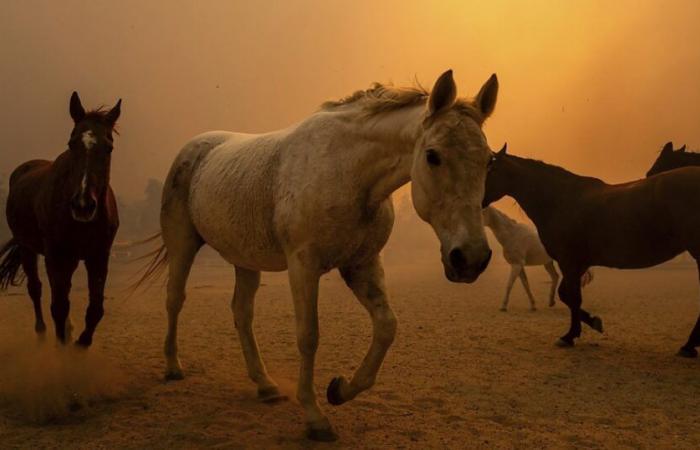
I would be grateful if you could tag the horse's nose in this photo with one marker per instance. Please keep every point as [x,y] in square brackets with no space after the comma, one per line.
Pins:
[83,207]
[457,260]
[467,268]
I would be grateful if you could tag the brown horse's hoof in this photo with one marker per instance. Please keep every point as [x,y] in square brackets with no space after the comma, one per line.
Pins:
[83,341]
[271,395]
[321,434]
[686,352]
[597,324]
[40,328]
[174,375]
[565,342]
[333,392]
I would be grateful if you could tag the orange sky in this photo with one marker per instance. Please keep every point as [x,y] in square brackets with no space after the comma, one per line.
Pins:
[596,86]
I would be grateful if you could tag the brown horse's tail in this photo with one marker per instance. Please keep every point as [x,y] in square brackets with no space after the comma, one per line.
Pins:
[157,262]
[10,265]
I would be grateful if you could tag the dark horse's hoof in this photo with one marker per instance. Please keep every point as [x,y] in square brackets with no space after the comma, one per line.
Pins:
[333,391]
[174,375]
[686,352]
[565,342]
[321,434]
[83,342]
[597,324]
[271,395]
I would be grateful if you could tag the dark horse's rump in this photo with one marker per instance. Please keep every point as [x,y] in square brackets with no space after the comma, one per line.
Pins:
[66,211]
[583,221]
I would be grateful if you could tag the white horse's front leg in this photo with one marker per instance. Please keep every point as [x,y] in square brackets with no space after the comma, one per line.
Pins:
[367,282]
[526,285]
[242,305]
[514,271]
[554,275]
[304,283]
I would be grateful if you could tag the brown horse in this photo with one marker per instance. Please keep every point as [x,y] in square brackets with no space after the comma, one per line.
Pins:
[66,211]
[583,222]
[670,159]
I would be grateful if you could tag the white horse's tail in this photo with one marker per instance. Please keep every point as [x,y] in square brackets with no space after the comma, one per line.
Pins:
[586,278]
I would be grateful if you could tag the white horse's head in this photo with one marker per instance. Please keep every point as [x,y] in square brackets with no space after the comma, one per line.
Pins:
[450,162]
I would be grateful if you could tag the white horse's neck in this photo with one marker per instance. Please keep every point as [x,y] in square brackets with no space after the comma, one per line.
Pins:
[385,156]
[499,223]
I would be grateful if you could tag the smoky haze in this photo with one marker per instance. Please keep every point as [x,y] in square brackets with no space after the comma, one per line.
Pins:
[597,87]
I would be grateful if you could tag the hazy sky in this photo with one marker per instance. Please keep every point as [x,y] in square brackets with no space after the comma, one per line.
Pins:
[596,86]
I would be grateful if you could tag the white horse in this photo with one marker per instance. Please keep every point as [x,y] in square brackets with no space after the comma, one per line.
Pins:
[522,247]
[316,196]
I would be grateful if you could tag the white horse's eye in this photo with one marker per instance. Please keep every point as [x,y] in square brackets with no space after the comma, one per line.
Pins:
[432,157]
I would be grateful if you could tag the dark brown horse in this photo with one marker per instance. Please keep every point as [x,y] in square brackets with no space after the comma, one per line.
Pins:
[65,210]
[583,222]
[670,159]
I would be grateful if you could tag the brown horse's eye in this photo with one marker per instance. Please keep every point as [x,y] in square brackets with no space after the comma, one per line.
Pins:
[432,157]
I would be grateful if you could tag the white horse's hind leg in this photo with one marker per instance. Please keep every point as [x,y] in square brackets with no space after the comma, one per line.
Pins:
[367,282]
[526,285]
[554,275]
[514,271]
[304,283]
[182,243]
[242,305]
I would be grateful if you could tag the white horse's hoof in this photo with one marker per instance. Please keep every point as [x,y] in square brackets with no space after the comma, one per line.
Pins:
[174,374]
[322,432]
[271,395]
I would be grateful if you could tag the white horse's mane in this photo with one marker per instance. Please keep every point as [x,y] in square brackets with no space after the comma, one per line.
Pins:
[381,98]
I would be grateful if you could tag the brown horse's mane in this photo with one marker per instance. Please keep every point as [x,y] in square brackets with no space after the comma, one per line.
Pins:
[551,169]
[99,114]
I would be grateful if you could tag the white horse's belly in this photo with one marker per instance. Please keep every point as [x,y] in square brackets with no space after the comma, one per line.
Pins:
[231,207]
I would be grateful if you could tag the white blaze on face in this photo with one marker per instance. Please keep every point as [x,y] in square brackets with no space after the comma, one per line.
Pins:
[89,140]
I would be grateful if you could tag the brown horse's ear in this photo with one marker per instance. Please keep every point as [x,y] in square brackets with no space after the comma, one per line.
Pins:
[443,95]
[668,148]
[682,149]
[486,98]
[113,114]
[502,152]
[77,112]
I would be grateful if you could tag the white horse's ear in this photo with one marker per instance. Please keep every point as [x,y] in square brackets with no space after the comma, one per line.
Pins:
[486,98]
[443,95]
[668,148]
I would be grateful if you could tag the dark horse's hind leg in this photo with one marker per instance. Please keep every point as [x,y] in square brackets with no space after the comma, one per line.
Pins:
[60,270]
[97,275]
[688,350]
[570,294]
[29,265]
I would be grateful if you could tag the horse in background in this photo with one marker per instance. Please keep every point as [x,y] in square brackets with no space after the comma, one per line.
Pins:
[66,211]
[583,221]
[522,247]
[670,159]
[317,196]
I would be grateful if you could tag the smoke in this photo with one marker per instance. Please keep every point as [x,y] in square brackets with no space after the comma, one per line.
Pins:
[41,381]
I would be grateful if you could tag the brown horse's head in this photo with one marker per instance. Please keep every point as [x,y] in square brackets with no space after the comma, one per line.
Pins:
[670,159]
[90,147]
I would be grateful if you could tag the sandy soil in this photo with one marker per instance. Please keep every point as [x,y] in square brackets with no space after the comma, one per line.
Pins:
[461,374]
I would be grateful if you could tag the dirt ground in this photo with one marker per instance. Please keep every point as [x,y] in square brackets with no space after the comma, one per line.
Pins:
[461,374]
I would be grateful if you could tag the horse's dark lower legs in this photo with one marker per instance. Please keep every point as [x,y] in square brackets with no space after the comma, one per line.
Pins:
[688,350]
[570,294]
[97,276]
[29,265]
[60,271]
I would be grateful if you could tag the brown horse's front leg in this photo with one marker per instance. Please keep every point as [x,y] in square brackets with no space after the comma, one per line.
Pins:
[60,271]
[97,275]
[570,294]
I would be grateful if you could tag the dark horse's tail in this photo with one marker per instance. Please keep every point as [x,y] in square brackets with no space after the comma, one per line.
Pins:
[157,262]
[10,265]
